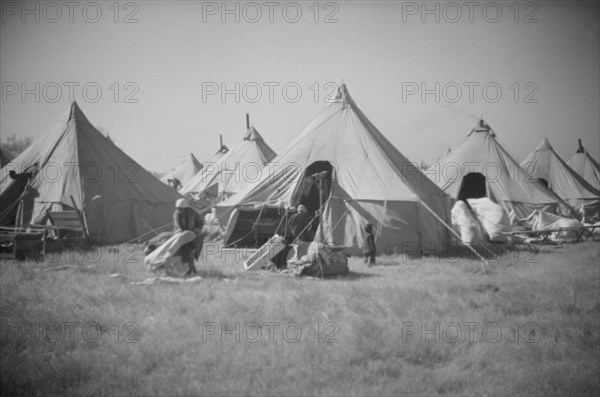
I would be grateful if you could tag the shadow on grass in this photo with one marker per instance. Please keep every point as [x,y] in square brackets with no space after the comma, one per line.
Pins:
[351,276]
[212,273]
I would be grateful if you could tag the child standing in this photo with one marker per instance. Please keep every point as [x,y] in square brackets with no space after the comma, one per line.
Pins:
[369,247]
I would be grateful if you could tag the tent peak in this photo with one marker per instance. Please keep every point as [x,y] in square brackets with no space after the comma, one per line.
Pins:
[580,149]
[343,96]
[252,135]
[75,113]
[544,145]
[484,127]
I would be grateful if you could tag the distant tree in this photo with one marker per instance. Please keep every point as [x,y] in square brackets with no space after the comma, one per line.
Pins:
[16,145]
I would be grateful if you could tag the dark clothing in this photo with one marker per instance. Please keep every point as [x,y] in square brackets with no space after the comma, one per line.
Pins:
[369,248]
[176,184]
[189,219]
[298,226]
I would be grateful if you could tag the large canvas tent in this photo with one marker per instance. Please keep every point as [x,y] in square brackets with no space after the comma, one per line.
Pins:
[185,171]
[75,165]
[585,165]
[546,165]
[341,163]
[229,173]
[480,167]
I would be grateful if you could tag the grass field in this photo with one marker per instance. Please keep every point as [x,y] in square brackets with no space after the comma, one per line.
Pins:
[529,326]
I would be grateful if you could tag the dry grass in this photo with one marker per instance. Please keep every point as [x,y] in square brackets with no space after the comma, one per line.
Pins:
[364,344]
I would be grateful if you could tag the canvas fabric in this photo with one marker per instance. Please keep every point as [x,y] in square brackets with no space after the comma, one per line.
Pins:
[372,182]
[545,163]
[588,168]
[230,173]
[120,199]
[507,183]
[185,171]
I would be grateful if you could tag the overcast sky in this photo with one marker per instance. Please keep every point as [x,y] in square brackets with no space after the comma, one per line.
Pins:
[158,74]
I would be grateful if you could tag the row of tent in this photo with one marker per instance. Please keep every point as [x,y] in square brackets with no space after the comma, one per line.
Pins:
[340,164]
[370,181]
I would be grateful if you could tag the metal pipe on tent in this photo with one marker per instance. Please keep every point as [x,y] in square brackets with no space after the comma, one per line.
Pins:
[318,177]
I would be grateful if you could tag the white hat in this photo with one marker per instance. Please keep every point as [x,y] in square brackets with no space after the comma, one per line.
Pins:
[302,209]
[182,203]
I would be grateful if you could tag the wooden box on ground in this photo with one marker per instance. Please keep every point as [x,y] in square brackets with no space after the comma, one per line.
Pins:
[336,264]
[22,245]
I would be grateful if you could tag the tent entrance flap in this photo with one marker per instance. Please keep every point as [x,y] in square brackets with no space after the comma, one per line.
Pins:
[473,185]
[314,190]
[315,187]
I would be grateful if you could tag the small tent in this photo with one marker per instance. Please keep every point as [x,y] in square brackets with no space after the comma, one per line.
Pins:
[75,165]
[341,164]
[184,172]
[584,165]
[230,172]
[546,165]
[481,167]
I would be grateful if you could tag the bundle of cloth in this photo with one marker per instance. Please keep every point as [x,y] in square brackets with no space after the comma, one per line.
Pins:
[320,260]
[177,253]
[493,218]
[591,220]
[465,222]
[542,220]
[480,221]
[162,253]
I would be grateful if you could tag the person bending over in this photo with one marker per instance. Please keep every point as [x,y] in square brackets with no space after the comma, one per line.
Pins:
[187,218]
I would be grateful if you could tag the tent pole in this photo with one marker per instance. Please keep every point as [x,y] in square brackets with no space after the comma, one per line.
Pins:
[20,213]
[456,234]
[321,209]
[82,219]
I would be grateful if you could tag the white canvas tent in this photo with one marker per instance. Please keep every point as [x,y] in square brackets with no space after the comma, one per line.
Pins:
[480,167]
[231,172]
[185,171]
[546,165]
[585,165]
[75,164]
[364,179]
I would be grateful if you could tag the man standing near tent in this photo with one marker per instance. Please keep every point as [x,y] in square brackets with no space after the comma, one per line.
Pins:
[187,218]
[299,225]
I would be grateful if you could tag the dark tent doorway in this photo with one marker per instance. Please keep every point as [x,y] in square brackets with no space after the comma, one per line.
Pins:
[473,185]
[315,186]
[18,192]
[314,190]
